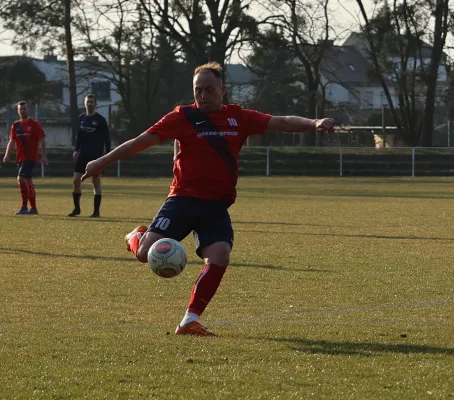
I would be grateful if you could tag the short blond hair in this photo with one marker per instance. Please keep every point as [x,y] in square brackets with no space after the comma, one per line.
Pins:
[211,66]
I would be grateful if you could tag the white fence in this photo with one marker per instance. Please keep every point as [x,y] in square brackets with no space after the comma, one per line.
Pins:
[269,161]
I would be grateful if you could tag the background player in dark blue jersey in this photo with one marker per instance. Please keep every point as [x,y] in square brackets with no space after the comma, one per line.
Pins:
[92,142]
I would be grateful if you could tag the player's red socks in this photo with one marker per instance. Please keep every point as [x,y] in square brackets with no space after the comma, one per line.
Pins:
[205,287]
[32,195]
[134,241]
[23,194]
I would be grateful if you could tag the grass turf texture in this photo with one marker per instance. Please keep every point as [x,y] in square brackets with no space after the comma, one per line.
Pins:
[338,288]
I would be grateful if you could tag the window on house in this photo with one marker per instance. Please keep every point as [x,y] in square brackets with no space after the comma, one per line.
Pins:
[367,99]
[53,90]
[101,89]
[353,98]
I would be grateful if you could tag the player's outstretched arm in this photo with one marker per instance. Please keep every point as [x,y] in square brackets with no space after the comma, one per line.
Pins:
[299,124]
[44,152]
[9,149]
[125,150]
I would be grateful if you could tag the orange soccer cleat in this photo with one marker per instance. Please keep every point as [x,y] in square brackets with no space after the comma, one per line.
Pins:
[140,228]
[194,328]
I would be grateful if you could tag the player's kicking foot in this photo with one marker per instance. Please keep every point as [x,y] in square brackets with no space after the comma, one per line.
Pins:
[194,328]
[33,211]
[140,228]
[22,210]
[74,212]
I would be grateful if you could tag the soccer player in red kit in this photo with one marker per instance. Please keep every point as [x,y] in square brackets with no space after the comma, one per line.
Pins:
[27,134]
[210,136]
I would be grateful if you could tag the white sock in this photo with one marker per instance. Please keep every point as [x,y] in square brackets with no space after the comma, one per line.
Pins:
[188,318]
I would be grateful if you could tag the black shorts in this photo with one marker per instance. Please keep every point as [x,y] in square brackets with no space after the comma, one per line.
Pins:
[209,221]
[26,169]
[81,164]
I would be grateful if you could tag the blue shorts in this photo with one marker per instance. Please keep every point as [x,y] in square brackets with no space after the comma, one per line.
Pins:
[26,169]
[209,221]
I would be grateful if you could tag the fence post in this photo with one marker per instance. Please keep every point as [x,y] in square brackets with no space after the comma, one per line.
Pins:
[413,162]
[267,161]
[341,168]
[449,132]
[118,169]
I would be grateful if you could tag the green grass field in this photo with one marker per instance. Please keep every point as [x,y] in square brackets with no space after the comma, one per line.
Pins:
[337,289]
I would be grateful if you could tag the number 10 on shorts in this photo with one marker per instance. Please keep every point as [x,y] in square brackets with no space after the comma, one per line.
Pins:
[162,223]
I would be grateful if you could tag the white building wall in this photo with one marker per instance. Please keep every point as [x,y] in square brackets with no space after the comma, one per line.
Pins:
[364,97]
[57,134]
[56,71]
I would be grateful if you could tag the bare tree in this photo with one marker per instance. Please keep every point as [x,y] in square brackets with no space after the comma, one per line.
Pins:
[45,24]
[406,66]
[132,57]
[305,26]
[210,30]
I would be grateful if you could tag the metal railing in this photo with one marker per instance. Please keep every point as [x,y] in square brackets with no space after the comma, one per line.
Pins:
[274,161]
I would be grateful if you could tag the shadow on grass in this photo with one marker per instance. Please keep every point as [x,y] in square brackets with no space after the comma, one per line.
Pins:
[133,222]
[279,223]
[126,259]
[347,235]
[382,195]
[359,349]
[59,255]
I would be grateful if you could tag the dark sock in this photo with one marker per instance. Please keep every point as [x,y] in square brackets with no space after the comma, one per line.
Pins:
[76,199]
[97,203]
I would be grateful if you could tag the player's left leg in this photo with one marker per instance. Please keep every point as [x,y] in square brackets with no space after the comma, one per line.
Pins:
[32,197]
[214,240]
[216,257]
[29,166]
[97,193]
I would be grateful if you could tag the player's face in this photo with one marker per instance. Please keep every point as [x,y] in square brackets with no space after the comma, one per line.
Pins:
[90,105]
[22,111]
[208,91]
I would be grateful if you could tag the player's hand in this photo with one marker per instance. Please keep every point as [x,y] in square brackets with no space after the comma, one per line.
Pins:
[5,160]
[44,161]
[93,168]
[76,155]
[325,125]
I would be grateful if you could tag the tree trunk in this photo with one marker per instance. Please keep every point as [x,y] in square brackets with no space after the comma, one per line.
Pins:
[440,31]
[72,85]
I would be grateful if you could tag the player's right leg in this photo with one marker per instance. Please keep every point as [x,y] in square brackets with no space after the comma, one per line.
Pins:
[171,221]
[139,241]
[23,188]
[77,187]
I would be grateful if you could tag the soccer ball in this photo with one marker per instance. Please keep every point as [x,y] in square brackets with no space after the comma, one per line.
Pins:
[167,258]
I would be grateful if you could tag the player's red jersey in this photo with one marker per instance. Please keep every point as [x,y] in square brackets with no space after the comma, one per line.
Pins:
[27,136]
[206,165]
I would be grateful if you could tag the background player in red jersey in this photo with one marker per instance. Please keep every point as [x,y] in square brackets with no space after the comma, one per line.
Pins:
[26,134]
[210,136]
